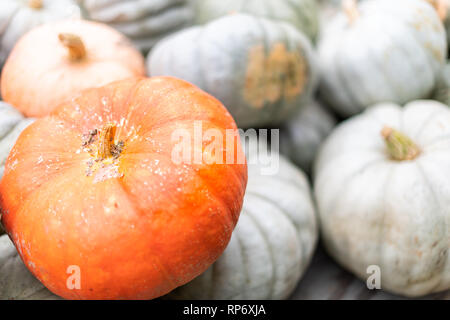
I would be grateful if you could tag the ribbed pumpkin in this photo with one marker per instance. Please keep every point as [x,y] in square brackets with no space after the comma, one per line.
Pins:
[303,14]
[261,70]
[383,195]
[16,282]
[379,51]
[19,16]
[12,123]
[145,22]
[55,61]
[95,186]
[272,244]
[303,133]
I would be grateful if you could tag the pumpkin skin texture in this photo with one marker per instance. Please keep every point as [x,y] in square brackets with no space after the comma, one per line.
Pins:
[136,223]
[302,134]
[272,244]
[145,22]
[442,90]
[303,14]
[376,55]
[12,123]
[391,212]
[41,66]
[19,16]
[265,73]
[16,282]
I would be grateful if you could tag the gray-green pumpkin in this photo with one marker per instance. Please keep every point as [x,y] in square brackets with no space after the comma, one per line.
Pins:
[303,14]
[19,16]
[16,282]
[262,70]
[273,242]
[381,51]
[144,22]
[12,123]
[303,133]
[442,90]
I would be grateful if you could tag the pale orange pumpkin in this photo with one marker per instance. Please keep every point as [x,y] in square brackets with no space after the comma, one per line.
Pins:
[55,61]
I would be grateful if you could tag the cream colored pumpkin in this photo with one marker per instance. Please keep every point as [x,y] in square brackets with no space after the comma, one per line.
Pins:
[302,134]
[12,123]
[19,16]
[16,282]
[272,244]
[383,194]
[144,22]
[381,50]
[261,70]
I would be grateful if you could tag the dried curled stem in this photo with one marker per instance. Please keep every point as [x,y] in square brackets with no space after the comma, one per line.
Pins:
[400,147]
[74,45]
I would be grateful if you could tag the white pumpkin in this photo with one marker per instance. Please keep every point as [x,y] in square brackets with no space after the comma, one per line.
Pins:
[144,22]
[16,282]
[12,123]
[381,51]
[382,189]
[302,134]
[272,244]
[261,70]
[303,14]
[19,16]
[442,90]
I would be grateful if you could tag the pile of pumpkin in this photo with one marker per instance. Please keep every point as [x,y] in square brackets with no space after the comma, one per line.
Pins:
[90,184]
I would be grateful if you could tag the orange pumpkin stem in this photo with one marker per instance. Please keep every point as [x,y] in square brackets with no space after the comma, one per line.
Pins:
[400,147]
[74,44]
[35,4]
[106,146]
[351,9]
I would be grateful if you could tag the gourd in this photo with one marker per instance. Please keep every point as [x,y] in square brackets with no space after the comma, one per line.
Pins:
[261,70]
[303,133]
[19,16]
[442,90]
[98,187]
[383,196]
[144,22]
[12,123]
[56,61]
[375,51]
[303,14]
[273,242]
[16,282]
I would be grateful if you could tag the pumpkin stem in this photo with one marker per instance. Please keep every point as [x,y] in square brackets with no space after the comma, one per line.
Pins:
[35,4]
[441,7]
[400,147]
[351,9]
[74,44]
[106,147]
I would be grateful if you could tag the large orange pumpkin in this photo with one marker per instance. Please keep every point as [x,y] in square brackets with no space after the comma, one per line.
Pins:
[52,62]
[94,188]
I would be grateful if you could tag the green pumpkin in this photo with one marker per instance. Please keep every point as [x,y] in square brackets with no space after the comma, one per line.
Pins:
[273,242]
[261,70]
[303,14]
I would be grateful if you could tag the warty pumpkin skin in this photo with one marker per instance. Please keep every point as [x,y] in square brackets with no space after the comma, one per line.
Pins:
[12,123]
[272,244]
[94,185]
[383,195]
[303,133]
[303,14]
[261,70]
[56,61]
[19,16]
[16,282]
[375,52]
[144,22]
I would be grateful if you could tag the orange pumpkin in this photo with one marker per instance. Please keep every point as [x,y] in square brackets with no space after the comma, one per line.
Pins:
[94,188]
[53,62]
